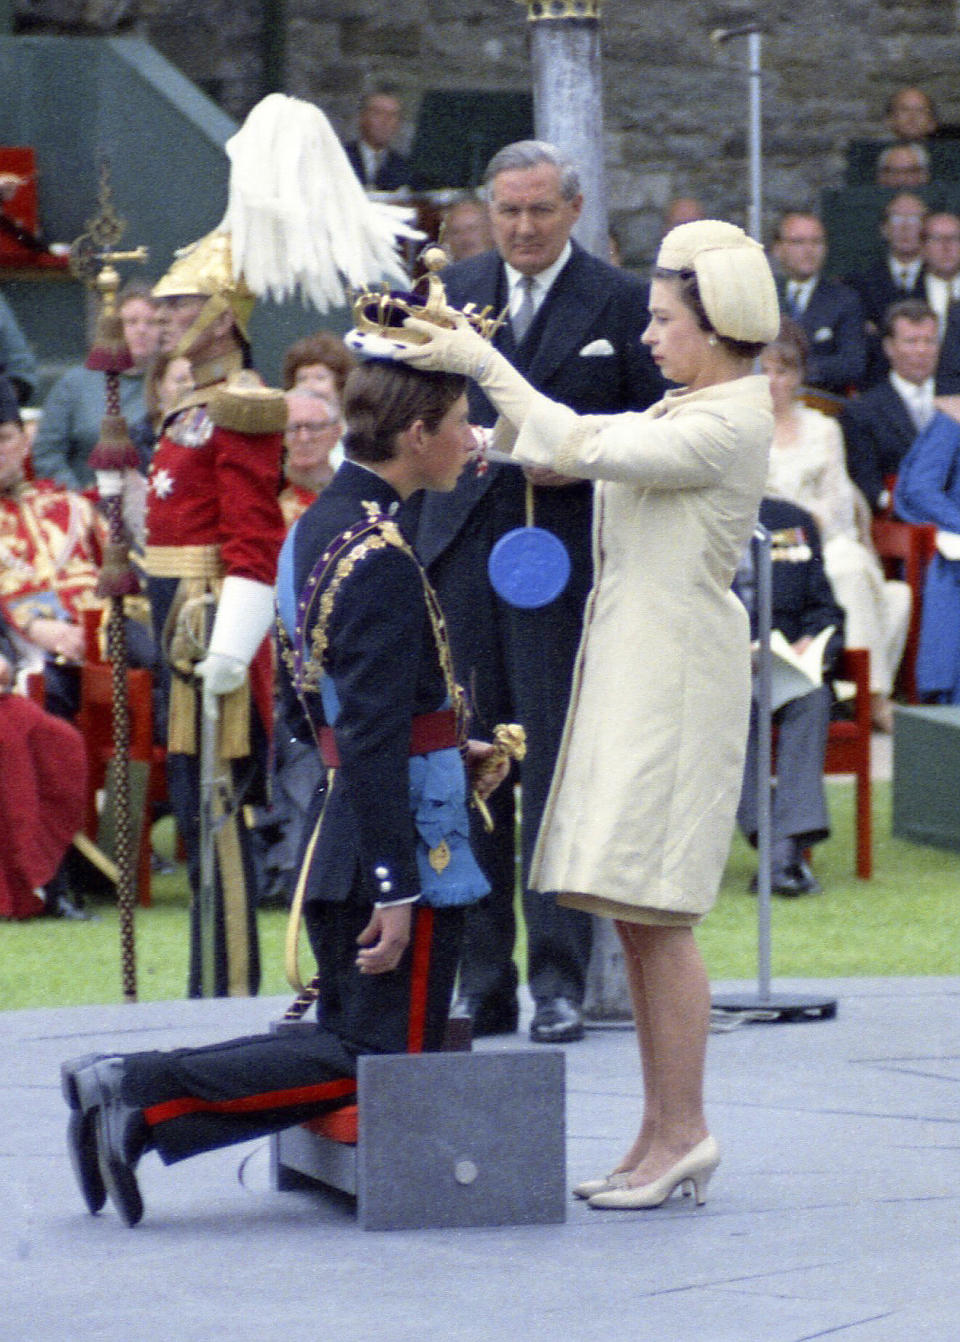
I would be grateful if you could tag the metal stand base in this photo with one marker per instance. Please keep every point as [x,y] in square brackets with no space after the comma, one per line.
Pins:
[772,1007]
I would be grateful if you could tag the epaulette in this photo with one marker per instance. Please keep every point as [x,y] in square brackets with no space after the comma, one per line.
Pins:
[245,405]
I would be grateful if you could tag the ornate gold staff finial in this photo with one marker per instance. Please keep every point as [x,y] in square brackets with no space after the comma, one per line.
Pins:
[561,9]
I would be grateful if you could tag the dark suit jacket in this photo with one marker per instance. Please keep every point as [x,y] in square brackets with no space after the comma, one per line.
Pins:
[589,301]
[877,291]
[878,431]
[834,325]
[393,172]
[948,368]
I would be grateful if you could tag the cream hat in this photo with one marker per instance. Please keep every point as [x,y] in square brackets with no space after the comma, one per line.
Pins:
[733,275]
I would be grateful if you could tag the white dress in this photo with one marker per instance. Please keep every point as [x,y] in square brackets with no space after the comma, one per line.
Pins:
[811,472]
[640,813]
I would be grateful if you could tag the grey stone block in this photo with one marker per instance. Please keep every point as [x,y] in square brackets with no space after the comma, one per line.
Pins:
[445,1140]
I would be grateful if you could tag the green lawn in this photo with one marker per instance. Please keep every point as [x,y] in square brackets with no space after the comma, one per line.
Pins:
[903,921]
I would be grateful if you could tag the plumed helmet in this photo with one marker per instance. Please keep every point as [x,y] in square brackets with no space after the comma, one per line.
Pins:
[205,270]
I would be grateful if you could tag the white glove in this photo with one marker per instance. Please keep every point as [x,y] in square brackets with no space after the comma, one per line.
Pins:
[948,543]
[244,614]
[463,351]
[221,675]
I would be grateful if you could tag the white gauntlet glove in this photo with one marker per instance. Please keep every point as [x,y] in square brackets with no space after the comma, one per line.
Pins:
[463,351]
[244,614]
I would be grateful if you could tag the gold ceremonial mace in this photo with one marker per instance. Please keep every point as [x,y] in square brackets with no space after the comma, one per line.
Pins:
[92,259]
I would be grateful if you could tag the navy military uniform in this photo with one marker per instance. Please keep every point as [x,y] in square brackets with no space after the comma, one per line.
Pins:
[362,643]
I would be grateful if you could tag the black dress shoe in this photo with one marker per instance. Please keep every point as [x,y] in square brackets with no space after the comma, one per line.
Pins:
[487,1015]
[556,1020]
[81,1135]
[114,1131]
[795,879]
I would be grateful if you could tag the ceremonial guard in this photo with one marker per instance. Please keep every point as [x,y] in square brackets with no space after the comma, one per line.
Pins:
[388,868]
[214,526]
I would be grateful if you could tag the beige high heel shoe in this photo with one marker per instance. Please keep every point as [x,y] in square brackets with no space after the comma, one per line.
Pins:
[696,1168]
[590,1187]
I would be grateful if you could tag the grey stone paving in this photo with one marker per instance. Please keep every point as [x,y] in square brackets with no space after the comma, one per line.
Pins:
[835,1212]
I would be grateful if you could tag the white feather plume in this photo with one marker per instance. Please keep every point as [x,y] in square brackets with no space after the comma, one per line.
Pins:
[298,218]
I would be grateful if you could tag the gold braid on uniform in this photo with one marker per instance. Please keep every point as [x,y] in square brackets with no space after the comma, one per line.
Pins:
[356,545]
[245,405]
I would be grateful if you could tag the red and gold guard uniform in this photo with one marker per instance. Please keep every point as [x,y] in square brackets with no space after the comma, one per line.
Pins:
[51,549]
[212,513]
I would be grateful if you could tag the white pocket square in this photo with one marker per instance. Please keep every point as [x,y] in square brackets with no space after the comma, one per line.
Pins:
[596,347]
[822,333]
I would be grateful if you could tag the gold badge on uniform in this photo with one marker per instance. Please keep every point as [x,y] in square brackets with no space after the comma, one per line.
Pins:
[439,857]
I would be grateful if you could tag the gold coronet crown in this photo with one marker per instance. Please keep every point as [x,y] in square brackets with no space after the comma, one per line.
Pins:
[383,311]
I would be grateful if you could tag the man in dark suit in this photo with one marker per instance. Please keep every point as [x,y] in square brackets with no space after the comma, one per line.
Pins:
[941,278]
[574,330]
[879,426]
[829,312]
[897,277]
[802,605]
[372,156]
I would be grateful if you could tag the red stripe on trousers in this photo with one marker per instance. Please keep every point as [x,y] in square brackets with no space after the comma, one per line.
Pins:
[419,976]
[250,1104]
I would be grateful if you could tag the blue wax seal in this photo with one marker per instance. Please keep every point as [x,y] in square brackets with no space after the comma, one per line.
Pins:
[528,567]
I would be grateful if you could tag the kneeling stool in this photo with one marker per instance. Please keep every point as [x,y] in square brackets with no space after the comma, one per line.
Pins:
[440,1139]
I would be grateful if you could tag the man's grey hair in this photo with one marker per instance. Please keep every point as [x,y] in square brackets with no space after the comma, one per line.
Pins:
[529,154]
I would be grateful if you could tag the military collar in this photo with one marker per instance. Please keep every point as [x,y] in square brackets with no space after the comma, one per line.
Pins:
[206,376]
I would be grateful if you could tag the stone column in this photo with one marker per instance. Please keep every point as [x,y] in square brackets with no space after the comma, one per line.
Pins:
[568,101]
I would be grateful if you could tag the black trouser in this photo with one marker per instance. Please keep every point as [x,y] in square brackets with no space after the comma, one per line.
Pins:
[197,1099]
[517,665]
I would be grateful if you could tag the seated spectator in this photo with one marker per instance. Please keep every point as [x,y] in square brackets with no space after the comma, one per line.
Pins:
[829,312]
[903,165]
[372,155]
[42,797]
[313,431]
[928,491]
[320,363]
[879,426]
[941,279]
[807,467]
[17,359]
[910,114]
[51,544]
[802,605]
[899,275]
[466,229]
[75,405]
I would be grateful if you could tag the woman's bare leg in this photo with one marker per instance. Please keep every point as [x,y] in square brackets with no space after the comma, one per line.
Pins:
[672,1023]
[638,1001]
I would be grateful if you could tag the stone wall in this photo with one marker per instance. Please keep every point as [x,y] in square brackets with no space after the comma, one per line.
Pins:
[676,105]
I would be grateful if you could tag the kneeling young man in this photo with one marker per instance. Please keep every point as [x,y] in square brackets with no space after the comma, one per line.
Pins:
[387,870]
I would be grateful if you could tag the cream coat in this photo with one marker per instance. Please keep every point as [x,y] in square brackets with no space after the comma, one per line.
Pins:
[642,804]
